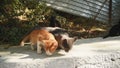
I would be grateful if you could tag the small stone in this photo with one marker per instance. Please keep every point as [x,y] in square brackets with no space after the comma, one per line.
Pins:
[112,59]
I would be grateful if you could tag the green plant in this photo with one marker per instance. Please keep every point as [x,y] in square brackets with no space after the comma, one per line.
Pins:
[17,17]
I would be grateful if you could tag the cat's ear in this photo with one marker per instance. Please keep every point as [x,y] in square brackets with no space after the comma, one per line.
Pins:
[65,40]
[75,38]
[72,39]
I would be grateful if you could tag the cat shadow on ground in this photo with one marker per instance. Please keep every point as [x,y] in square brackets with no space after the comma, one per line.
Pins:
[25,52]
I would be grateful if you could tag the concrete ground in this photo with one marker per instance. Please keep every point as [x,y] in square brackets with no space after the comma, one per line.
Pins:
[86,53]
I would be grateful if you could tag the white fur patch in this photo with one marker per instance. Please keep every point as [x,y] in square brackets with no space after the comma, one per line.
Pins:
[48,53]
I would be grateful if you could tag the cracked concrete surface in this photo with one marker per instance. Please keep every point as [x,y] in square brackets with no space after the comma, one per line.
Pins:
[86,53]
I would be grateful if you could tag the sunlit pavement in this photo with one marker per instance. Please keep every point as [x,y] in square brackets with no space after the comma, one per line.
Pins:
[86,53]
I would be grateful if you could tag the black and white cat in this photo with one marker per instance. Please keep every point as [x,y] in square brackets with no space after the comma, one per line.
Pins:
[114,31]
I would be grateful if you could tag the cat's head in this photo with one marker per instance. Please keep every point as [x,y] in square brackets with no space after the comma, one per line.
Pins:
[50,46]
[66,43]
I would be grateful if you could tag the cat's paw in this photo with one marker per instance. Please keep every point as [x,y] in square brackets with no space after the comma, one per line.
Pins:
[48,53]
[39,52]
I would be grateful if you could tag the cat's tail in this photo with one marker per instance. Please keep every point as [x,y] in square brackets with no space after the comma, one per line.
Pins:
[22,43]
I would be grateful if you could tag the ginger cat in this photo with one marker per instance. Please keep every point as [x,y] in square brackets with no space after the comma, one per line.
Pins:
[43,39]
